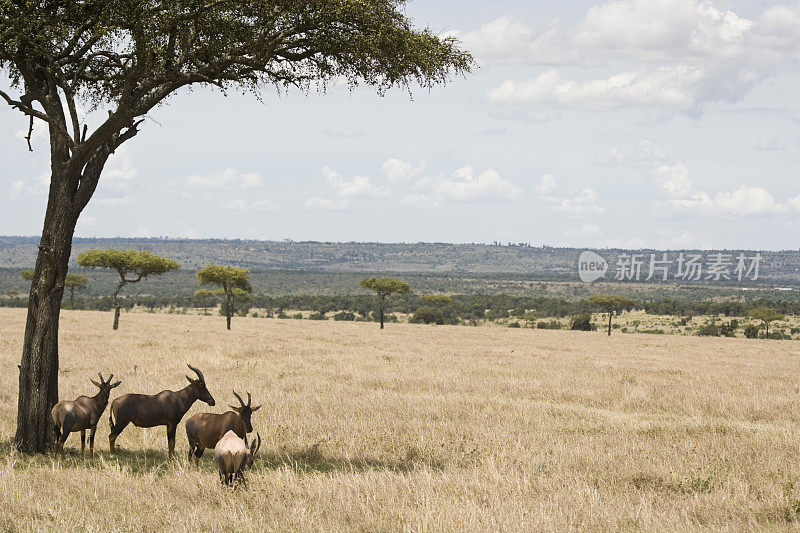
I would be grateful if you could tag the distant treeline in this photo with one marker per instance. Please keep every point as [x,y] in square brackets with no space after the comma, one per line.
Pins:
[462,307]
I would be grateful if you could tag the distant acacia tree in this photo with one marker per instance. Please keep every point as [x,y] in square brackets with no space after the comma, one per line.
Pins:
[766,315]
[611,304]
[132,267]
[384,287]
[229,280]
[204,296]
[124,59]
[435,300]
[72,283]
[27,275]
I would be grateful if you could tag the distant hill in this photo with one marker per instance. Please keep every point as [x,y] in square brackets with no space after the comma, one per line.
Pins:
[537,262]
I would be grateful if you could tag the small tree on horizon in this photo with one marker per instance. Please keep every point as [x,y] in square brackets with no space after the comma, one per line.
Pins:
[766,315]
[611,304]
[72,283]
[27,275]
[204,295]
[383,287]
[139,265]
[228,279]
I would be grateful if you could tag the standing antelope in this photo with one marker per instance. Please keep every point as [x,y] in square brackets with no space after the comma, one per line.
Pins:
[233,457]
[163,409]
[205,429]
[81,414]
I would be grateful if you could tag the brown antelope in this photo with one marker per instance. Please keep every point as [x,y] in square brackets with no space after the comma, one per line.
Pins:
[81,414]
[233,457]
[163,409]
[205,429]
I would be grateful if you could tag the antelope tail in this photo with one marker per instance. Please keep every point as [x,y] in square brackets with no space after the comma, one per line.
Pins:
[111,420]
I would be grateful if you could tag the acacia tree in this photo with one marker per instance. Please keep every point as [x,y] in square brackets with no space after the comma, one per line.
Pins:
[204,295]
[27,275]
[138,265]
[611,304]
[766,315]
[73,282]
[121,59]
[384,287]
[230,280]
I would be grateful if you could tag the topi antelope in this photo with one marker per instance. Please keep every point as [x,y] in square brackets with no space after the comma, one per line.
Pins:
[81,414]
[205,429]
[163,409]
[233,457]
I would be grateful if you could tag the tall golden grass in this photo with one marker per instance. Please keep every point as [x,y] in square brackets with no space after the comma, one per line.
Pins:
[423,428]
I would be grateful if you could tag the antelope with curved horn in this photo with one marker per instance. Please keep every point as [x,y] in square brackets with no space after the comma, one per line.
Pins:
[205,429]
[163,409]
[81,414]
[233,457]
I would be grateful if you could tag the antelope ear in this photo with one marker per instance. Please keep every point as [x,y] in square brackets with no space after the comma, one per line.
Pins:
[95,383]
[256,408]
[234,408]
[117,384]
[190,379]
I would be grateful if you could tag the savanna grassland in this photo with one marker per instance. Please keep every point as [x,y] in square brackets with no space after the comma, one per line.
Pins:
[423,428]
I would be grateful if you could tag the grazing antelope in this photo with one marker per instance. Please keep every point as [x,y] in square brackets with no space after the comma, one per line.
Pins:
[233,457]
[205,429]
[163,409]
[81,414]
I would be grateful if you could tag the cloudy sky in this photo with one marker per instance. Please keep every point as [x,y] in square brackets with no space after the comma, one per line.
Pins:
[659,123]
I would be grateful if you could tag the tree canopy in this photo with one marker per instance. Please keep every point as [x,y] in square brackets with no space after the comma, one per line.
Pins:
[766,315]
[611,303]
[384,287]
[233,282]
[140,264]
[27,275]
[128,262]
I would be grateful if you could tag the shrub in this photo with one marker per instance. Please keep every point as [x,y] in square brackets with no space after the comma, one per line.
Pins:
[281,314]
[514,325]
[319,315]
[298,316]
[751,331]
[344,315]
[728,329]
[428,315]
[553,324]
[709,329]
[582,323]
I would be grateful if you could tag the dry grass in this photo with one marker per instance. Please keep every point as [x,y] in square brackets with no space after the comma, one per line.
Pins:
[425,428]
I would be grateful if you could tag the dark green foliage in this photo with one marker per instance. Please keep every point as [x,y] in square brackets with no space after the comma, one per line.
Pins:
[553,324]
[428,315]
[344,316]
[582,323]
[514,325]
[751,331]
[317,316]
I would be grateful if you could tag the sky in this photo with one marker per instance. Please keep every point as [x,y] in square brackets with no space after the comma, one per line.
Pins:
[670,124]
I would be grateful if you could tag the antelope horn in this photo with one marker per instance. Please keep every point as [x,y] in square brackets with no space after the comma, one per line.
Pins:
[239,398]
[196,371]
[101,377]
[110,377]
[248,399]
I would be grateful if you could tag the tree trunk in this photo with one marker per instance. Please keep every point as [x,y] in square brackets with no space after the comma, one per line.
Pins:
[72,299]
[38,377]
[228,309]
[381,312]
[610,315]
[115,302]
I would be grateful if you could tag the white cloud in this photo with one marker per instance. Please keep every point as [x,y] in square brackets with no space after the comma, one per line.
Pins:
[113,201]
[343,131]
[770,145]
[404,183]
[677,55]
[584,204]
[37,187]
[240,206]
[487,187]
[547,184]
[682,197]
[682,240]
[586,231]
[225,180]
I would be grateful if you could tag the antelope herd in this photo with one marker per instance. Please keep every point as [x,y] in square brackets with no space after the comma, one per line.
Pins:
[226,433]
